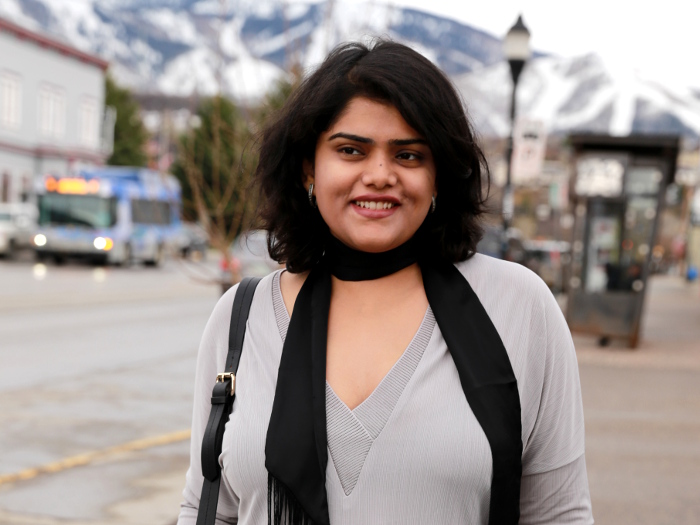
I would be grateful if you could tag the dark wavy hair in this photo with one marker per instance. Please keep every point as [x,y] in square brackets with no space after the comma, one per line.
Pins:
[391,73]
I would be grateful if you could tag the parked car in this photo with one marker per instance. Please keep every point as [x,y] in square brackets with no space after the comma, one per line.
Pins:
[491,243]
[549,259]
[17,224]
[193,241]
[249,255]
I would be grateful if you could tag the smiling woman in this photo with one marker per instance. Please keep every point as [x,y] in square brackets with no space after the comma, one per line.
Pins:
[374,177]
[390,374]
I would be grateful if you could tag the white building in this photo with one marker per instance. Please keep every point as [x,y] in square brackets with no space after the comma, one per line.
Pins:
[52,100]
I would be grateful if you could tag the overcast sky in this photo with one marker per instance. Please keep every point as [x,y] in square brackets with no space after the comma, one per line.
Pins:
[660,39]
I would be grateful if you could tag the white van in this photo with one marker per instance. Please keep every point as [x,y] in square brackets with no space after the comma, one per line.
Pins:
[17,224]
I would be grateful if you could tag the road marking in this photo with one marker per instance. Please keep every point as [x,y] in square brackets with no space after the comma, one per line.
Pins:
[89,457]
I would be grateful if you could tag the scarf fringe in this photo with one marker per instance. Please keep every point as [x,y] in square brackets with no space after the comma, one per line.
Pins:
[282,507]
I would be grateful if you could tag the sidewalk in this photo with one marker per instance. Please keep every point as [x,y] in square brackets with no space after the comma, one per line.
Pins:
[642,410]
[670,332]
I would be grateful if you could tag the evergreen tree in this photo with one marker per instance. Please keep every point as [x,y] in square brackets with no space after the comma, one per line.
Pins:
[276,98]
[130,135]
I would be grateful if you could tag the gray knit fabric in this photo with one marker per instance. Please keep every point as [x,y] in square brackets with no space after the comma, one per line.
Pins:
[412,452]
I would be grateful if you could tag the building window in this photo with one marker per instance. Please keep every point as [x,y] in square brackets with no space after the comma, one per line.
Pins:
[26,187]
[52,111]
[10,100]
[5,188]
[89,123]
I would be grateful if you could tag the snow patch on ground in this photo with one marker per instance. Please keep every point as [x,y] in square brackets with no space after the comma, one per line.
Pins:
[294,11]
[249,78]
[12,10]
[191,72]
[177,25]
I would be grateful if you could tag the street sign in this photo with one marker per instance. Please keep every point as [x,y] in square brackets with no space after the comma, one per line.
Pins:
[529,146]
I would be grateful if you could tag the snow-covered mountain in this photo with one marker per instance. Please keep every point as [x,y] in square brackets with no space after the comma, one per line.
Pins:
[179,47]
[580,94]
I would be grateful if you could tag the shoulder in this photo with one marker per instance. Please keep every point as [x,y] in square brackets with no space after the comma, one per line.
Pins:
[491,277]
[221,315]
[520,306]
[538,342]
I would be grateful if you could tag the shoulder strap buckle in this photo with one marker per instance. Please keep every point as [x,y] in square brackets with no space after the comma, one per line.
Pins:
[227,376]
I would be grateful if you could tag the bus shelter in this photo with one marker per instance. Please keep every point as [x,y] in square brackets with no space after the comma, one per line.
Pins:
[618,186]
[693,246]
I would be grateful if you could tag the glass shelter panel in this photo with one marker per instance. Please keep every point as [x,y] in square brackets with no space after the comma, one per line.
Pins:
[643,180]
[603,245]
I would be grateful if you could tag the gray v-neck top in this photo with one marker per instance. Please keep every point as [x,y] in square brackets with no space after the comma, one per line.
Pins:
[413,451]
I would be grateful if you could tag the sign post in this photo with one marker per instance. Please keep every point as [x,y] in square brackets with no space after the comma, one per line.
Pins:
[529,148]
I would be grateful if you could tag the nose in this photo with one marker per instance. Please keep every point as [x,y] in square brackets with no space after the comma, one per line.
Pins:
[379,172]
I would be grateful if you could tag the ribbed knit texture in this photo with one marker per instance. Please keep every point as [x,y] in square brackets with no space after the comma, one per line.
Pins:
[413,451]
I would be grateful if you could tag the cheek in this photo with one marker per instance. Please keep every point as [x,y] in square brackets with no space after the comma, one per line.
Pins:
[424,189]
[333,182]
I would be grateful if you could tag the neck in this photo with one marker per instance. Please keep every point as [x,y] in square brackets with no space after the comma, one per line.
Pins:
[348,264]
[396,287]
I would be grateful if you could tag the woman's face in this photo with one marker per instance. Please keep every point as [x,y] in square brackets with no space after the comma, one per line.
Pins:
[373,176]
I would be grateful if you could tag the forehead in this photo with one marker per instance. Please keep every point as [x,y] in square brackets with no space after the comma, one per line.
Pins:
[373,119]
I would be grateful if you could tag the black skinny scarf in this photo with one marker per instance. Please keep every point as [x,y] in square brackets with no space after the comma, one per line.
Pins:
[296,448]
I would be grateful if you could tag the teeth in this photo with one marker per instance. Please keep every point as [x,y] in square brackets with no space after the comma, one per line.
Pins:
[373,205]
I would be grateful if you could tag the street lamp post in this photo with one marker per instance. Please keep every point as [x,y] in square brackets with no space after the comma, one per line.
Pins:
[516,48]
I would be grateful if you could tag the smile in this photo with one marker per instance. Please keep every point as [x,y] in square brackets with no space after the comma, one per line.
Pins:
[374,205]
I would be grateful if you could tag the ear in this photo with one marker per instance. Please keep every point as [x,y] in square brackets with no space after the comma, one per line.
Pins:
[308,170]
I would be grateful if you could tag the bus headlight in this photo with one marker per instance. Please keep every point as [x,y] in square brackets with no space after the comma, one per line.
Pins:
[100,243]
[103,243]
[40,239]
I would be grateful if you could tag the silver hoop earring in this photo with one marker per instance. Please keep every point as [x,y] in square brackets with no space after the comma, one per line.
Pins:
[432,206]
[312,202]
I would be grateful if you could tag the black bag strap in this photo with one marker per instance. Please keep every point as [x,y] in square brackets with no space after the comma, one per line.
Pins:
[222,398]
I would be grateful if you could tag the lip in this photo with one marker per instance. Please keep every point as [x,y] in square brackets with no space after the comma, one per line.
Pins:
[374,197]
[375,214]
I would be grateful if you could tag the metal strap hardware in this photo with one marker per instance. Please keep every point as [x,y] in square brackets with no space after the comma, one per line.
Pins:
[224,376]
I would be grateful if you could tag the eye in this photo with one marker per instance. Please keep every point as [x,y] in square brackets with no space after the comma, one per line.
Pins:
[349,150]
[409,155]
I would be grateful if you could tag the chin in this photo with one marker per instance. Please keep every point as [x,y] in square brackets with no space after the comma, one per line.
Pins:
[376,245]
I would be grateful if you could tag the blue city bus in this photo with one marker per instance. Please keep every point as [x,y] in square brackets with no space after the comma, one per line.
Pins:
[109,215]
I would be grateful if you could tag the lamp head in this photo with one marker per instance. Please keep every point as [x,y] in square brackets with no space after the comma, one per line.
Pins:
[516,44]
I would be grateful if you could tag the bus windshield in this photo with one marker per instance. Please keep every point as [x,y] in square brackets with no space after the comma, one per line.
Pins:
[79,210]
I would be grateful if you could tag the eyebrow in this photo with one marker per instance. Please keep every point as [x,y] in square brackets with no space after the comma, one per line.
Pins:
[350,136]
[365,140]
[407,142]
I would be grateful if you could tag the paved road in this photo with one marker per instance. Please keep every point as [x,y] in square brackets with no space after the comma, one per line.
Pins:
[95,360]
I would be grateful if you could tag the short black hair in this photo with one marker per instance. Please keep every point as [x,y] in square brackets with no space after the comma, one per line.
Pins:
[387,72]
